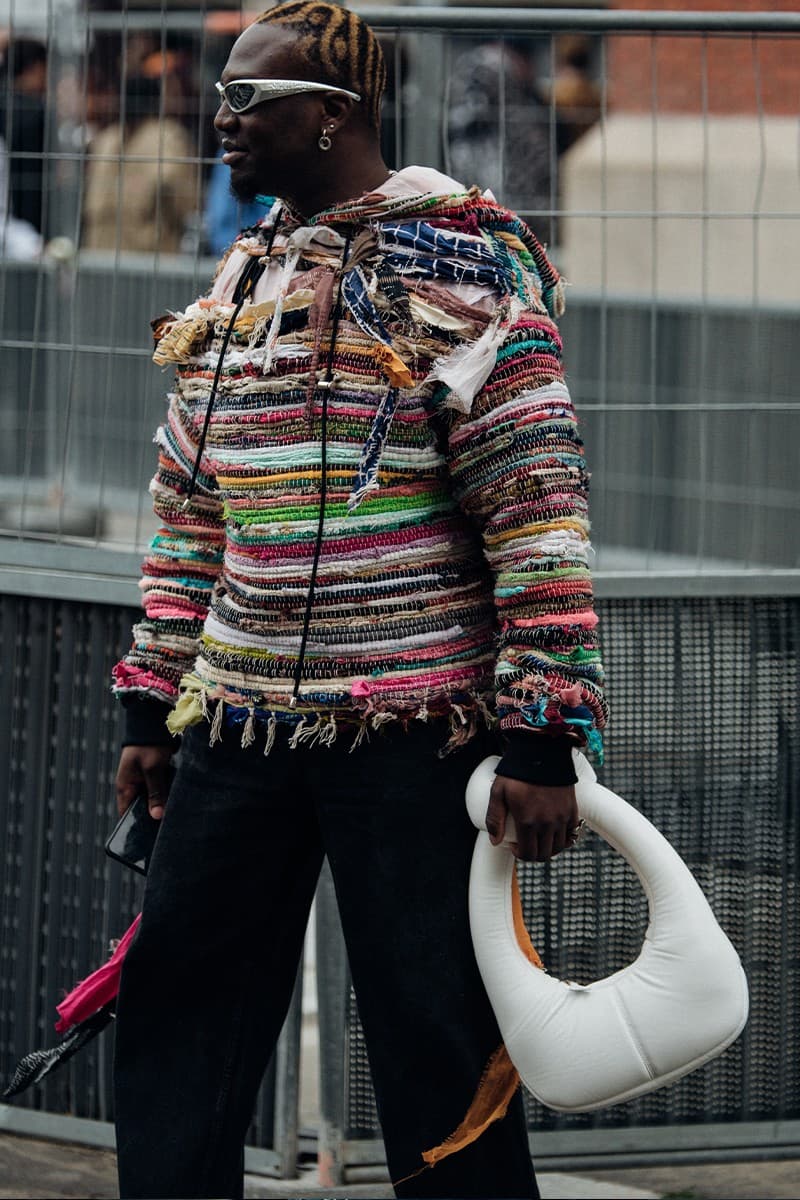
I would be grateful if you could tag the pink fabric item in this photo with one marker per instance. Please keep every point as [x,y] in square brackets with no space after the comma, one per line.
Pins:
[572,696]
[134,677]
[97,989]
[587,619]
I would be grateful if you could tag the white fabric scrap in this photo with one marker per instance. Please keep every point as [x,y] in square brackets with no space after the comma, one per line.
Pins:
[299,240]
[433,315]
[467,368]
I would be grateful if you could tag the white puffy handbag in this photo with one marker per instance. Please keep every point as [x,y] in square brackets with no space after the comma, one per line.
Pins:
[681,1003]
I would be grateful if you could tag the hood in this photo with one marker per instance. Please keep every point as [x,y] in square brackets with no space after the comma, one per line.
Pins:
[426,195]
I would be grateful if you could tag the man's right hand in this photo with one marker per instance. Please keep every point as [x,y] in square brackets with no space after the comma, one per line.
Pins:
[144,771]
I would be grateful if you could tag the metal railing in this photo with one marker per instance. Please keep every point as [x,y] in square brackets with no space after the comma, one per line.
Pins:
[680,329]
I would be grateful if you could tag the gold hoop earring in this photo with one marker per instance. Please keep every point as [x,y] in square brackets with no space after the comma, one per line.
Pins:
[324,142]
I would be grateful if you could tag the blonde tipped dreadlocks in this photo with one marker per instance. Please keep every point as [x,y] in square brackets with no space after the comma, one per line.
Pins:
[339,44]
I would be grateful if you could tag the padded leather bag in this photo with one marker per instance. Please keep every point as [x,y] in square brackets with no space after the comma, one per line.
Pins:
[681,1003]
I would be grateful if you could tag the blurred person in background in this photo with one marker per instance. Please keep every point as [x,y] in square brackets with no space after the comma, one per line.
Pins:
[18,239]
[141,183]
[498,127]
[575,93]
[225,216]
[23,92]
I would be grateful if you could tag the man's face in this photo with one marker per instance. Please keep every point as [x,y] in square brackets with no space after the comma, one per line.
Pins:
[271,148]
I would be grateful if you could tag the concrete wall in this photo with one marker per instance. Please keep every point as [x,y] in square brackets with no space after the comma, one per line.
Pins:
[676,165]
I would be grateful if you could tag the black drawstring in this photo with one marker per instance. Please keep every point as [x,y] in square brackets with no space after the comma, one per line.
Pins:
[325,385]
[243,290]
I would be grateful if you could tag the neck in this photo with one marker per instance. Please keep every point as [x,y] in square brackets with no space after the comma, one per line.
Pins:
[349,175]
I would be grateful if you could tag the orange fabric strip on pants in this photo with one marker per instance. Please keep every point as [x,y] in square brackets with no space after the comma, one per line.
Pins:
[500,1079]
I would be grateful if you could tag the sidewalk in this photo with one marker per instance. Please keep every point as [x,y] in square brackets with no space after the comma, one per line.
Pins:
[31,1169]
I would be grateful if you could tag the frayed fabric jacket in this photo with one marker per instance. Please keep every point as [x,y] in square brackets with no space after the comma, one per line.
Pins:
[382,515]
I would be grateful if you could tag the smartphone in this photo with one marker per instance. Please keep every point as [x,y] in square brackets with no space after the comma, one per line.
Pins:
[134,837]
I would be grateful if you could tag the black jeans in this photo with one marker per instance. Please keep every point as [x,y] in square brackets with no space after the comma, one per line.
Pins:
[207,982]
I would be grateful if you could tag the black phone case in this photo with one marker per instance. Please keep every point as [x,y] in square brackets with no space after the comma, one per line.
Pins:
[134,836]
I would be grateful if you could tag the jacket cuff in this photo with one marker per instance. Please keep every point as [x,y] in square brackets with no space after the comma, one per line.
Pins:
[145,721]
[538,758]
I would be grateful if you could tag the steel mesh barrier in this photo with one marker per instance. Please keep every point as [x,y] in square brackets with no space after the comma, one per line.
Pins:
[78,417]
[62,899]
[681,319]
[705,741]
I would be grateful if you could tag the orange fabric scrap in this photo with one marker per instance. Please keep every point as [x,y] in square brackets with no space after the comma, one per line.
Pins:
[495,1091]
[393,366]
[523,937]
[500,1079]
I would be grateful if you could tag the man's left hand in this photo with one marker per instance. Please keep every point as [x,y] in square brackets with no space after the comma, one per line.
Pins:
[545,817]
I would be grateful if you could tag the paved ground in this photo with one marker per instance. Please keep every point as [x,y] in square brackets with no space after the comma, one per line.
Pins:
[553,1187]
[36,1170]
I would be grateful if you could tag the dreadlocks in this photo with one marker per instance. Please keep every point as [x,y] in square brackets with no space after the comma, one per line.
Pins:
[340,45]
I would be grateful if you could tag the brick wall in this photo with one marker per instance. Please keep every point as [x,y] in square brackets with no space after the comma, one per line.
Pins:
[737,69]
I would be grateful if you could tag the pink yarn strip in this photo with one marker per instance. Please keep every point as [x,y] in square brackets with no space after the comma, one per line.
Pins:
[134,677]
[97,989]
[586,618]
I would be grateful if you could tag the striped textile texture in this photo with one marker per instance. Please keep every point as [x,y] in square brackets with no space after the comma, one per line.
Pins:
[452,573]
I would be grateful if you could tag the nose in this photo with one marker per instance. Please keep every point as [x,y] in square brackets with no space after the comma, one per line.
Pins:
[225,119]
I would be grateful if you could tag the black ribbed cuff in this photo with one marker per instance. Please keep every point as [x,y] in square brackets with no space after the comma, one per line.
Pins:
[538,758]
[145,721]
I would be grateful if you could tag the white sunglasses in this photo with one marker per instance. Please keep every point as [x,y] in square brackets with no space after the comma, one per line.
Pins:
[242,94]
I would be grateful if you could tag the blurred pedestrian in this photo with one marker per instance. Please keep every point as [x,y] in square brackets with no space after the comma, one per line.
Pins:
[141,183]
[18,239]
[575,92]
[225,216]
[22,126]
[499,130]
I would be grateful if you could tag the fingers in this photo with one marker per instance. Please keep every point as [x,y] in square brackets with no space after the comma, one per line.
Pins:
[496,813]
[556,839]
[544,817]
[156,795]
[126,794]
[157,780]
[144,771]
[129,780]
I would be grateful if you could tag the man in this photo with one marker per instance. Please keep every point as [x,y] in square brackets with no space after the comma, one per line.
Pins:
[499,126]
[23,128]
[372,497]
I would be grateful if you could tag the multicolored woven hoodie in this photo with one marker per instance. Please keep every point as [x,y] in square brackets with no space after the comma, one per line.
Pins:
[388,515]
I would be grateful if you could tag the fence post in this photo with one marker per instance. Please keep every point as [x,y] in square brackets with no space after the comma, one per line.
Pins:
[332,993]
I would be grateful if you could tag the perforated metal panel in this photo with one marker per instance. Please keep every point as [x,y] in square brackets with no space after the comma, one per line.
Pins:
[61,903]
[705,741]
[62,899]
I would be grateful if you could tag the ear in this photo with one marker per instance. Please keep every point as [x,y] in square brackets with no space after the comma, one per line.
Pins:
[337,110]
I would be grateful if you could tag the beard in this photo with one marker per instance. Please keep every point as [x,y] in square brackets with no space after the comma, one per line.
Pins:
[244,188]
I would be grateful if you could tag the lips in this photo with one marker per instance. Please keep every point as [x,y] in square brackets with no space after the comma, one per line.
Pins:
[233,154]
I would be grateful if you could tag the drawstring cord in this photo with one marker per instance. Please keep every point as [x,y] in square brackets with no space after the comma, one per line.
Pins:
[244,289]
[325,386]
